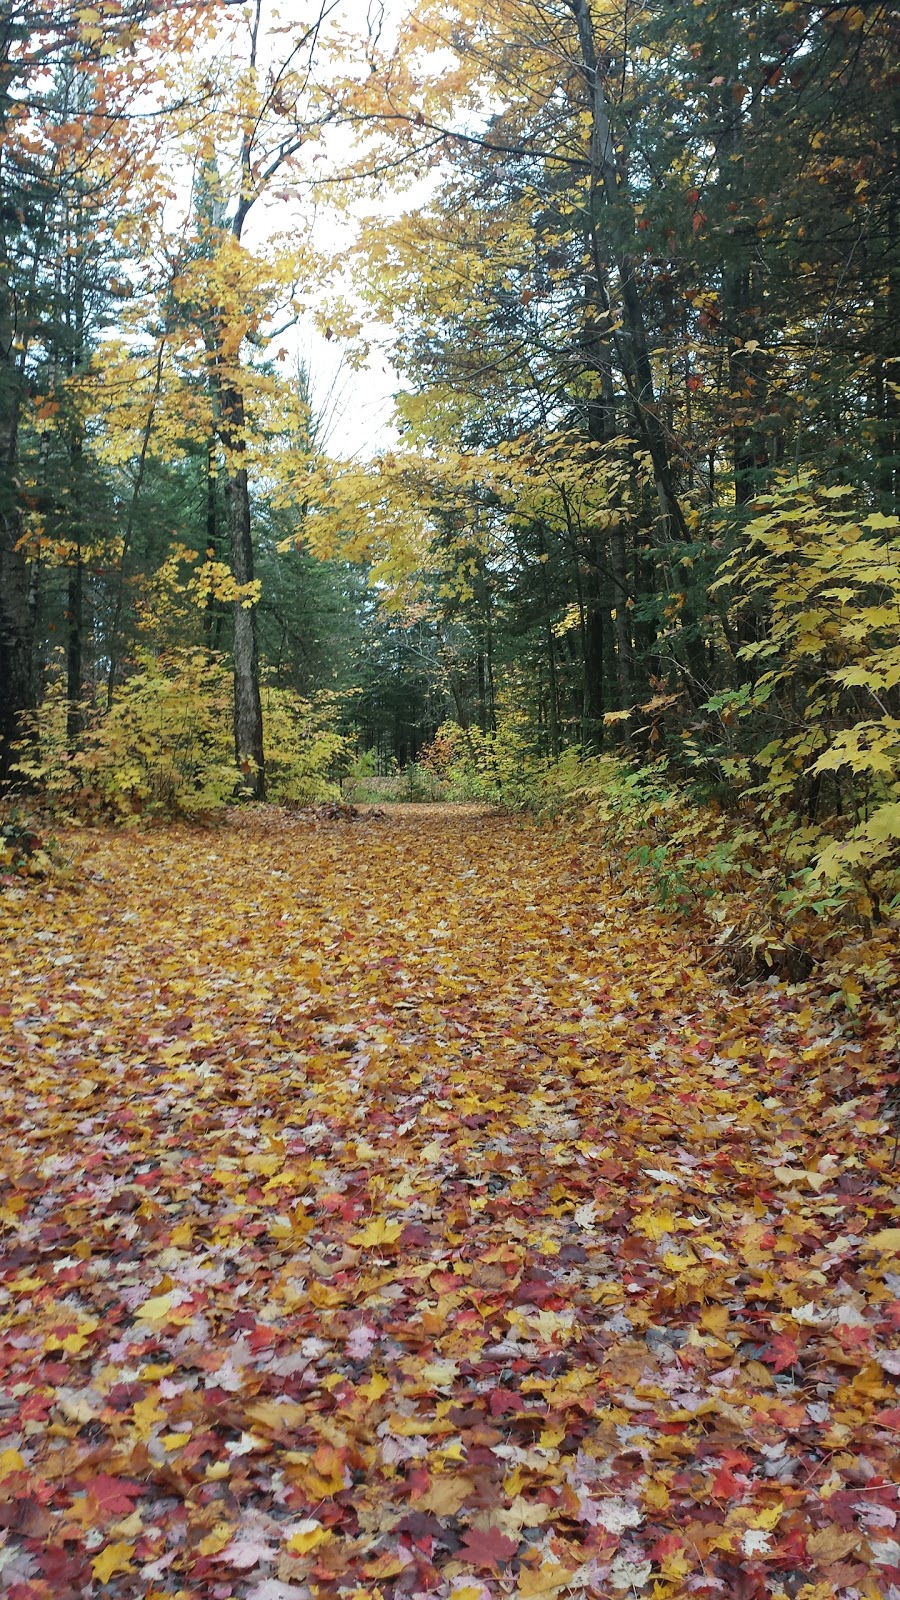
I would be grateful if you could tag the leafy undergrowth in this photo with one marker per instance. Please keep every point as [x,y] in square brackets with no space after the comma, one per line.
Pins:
[407,1210]
[24,852]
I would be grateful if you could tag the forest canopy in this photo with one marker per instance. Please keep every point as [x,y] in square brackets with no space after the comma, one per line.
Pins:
[636,268]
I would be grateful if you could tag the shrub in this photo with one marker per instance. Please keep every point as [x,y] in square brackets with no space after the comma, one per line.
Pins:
[823,578]
[165,746]
[499,767]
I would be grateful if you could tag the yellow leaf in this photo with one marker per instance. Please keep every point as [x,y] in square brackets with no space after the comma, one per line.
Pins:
[115,1558]
[308,1536]
[377,1232]
[322,1295]
[551,1437]
[831,1543]
[377,1385]
[655,1224]
[156,1309]
[156,1369]
[678,1263]
[446,1493]
[439,1373]
[216,1539]
[11,1461]
[655,1494]
[412,1427]
[887,1239]
[73,1343]
[175,1441]
[264,1164]
[146,1413]
[769,1518]
[546,1579]
[130,1527]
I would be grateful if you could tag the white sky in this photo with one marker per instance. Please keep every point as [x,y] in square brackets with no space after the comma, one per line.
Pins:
[356,404]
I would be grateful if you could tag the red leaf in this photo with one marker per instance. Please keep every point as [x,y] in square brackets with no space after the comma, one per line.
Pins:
[485,1548]
[889,1418]
[501,1400]
[725,1485]
[780,1353]
[115,1495]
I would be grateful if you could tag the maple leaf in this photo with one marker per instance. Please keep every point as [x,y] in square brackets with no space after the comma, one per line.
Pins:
[547,1579]
[306,1536]
[521,1350]
[113,1496]
[246,1551]
[446,1493]
[217,1538]
[360,1342]
[487,1547]
[274,1589]
[377,1232]
[616,1515]
[780,1353]
[113,1558]
[887,1239]
[832,1544]
[157,1308]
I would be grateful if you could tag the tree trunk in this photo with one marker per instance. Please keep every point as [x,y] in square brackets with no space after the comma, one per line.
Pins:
[248,724]
[16,676]
[75,586]
[212,615]
[16,631]
[610,198]
[622,587]
[594,688]
[74,648]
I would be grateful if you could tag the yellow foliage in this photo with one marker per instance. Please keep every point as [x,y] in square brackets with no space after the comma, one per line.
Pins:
[165,745]
[826,577]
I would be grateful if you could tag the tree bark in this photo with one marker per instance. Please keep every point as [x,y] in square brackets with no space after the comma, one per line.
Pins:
[248,723]
[16,616]
[16,632]
[74,648]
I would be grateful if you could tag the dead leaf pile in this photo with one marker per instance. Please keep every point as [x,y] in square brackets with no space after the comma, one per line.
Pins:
[405,1211]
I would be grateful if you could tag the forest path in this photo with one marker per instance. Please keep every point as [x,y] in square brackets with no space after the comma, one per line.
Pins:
[401,1208]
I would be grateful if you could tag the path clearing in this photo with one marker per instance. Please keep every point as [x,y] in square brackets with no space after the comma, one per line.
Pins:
[398,1209]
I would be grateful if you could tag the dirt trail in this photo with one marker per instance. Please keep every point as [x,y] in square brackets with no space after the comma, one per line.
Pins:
[401,1208]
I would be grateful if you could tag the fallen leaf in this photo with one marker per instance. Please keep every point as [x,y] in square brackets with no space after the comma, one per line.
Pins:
[832,1543]
[306,1536]
[112,1559]
[487,1547]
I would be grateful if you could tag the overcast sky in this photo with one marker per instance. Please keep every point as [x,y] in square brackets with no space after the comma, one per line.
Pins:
[356,405]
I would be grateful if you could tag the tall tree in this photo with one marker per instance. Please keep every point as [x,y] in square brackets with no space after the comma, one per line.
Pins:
[110,56]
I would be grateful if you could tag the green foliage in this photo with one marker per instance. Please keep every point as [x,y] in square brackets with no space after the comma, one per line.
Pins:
[417,783]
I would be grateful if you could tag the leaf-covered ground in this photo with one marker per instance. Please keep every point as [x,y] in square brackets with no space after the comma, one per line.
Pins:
[402,1209]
